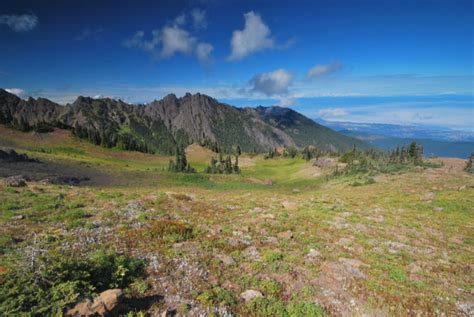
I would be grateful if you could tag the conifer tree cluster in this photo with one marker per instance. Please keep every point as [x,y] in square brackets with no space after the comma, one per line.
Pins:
[272,153]
[224,165]
[180,164]
[311,152]
[307,153]
[413,153]
[211,145]
[469,166]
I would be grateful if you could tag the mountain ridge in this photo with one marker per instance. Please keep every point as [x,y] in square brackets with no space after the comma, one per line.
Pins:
[163,124]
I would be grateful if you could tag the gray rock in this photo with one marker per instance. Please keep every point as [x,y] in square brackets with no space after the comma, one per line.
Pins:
[15,181]
[105,304]
[226,259]
[250,294]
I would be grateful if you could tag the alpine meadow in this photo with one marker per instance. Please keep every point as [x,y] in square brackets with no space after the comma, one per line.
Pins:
[237,158]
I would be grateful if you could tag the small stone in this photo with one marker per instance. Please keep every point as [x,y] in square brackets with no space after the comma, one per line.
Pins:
[272,240]
[169,312]
[313,253]
[18,217]
[290,206]
[312,256]
[268,182]
[428,196]
[438,209]
[251,253]
[286,235]
[226,259]
[15,181]
[250,294]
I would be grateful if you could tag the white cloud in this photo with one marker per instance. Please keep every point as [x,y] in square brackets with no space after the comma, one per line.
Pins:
[286,101]
[203,52]
[272,83]
[332,113]
[253,38]
[324,70]
[199,18]
[180,19]
[18,92]
[20,23]
[171,39]
[176,40]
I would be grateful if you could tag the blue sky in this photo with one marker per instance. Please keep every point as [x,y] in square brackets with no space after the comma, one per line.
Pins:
[367,61]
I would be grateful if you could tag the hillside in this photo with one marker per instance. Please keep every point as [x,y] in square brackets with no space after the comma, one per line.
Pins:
[306,243]
[158,127]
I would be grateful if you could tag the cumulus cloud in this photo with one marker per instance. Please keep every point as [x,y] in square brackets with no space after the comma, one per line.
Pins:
[272,83]
[323,70]
[199,18]
[176,40]
[90,34]
[253,38]
[20,23]
[171,39]
[332,113]
[18,92]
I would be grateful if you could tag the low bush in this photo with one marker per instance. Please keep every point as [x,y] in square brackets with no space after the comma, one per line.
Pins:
[45,282]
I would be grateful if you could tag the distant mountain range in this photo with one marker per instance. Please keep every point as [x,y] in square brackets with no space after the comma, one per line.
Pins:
[160,126]
[437,141]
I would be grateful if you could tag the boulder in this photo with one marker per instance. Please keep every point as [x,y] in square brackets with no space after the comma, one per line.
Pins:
[106,304]
[15,181]
[250,294]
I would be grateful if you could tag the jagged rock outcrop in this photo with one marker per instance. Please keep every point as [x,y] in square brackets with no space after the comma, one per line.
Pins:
[161,125]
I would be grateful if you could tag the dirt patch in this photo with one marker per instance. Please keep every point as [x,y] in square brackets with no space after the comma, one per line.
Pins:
[56,173]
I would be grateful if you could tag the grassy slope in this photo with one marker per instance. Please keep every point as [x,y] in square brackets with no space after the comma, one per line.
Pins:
[413,257]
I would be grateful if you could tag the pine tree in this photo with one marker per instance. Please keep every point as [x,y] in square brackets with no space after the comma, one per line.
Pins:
[236,165]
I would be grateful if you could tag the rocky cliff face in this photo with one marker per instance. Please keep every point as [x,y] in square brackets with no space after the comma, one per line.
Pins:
[163,124]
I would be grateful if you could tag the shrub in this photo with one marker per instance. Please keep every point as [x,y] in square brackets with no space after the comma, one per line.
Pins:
[217,296]
[45,284]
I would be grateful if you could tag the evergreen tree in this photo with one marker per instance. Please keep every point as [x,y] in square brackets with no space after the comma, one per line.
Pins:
[236,165]
[469,165]
[180,164]
[238,150]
